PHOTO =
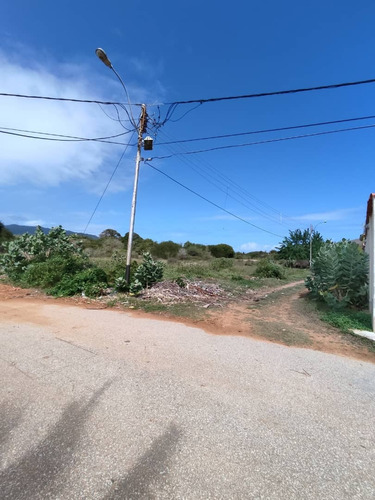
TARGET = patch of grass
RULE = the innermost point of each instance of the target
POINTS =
(279, 332)
(348, 320)
(187, 310)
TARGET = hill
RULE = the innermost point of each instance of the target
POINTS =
(18, 229)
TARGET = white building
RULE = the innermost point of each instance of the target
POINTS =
(370, 249)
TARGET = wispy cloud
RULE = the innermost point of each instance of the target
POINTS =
(252, 246)
(334, 215)
(50, 163)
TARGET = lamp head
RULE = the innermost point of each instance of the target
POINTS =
(103, 57)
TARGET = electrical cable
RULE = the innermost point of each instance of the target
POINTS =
(201, 101)
(211, 202)
(264, 131)
(214, 177)
(266, 141)
(106, 187)
(68, 138)
(277, 92)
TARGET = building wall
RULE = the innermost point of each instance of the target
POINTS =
(370, 249)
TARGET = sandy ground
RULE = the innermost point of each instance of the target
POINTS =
(238, 318)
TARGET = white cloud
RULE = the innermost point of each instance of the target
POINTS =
(49, 163)
(252, 246)
(340, 214)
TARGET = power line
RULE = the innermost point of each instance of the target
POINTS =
(277, 92)
(211, 202)
(64, 99)
(264, 131)
(107, 185)
(224, 183)
(199, 101)
(266, 141)
(67, 138)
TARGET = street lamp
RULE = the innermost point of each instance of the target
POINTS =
(312, 230)
(141, 129)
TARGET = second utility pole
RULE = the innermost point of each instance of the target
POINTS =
(141, 130)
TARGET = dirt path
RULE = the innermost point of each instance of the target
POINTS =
(279, 315)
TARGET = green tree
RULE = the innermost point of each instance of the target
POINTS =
(340, 275)
(110, 233)
(297, 245)
(221, 250)
(166, 249)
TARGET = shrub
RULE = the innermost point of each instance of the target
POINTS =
(39, 247)
(340, 275)
(221, 250)
(90, 281)
(268, 269)
(149, 272)
(47, 274)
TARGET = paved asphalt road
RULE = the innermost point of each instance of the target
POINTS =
(97, 404)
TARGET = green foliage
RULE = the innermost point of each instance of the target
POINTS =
(165, 249)
(110, 233)
(268, 269)
(180, 282)
(348, 320)
(48, 273)
(221, 250)
(5, 237)
(149, 272)
(340, 275)
(196, 250)
(39, 247)
(90, 281)
(297, 245)
(221, 263)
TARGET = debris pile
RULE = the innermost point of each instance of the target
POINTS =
(172, 292)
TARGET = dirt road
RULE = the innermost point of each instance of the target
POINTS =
(100, 404)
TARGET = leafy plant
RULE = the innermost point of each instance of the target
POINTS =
(48, 273)
(39, 247)
(90, 281)
(268, 269)
(340, 275)
(149, 272)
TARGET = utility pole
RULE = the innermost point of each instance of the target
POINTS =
(141, 130)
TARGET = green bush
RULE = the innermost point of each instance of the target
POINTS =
(38, 247)
(221, 250)
(48, 273)
(268, 269)
(340, 275)
(149, 272)
(90, 281)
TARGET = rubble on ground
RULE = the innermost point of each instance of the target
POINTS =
(170, 292)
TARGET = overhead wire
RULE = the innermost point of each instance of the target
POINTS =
(264, 131)
(107, 185)
(224, 183)
(67, 138)
(265, 141)
(211, 202)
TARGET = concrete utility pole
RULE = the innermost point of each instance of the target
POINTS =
(141, 130)
(147, 146)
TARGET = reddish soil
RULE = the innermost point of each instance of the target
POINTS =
(284, 320)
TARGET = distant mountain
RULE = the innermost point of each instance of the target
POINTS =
(17, 229)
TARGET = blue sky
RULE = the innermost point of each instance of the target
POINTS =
(171, 51)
